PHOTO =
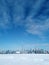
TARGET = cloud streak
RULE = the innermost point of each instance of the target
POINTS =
(32, 14)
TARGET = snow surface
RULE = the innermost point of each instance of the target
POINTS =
(24, 59)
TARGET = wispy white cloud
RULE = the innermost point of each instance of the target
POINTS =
(32, 14)
(36, 28)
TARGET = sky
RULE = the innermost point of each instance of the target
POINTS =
(24, 24)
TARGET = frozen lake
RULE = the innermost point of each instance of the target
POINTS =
(24, 59)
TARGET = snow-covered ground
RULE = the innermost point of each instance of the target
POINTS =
(24, 59)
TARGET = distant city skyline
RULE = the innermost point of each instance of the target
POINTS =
(24, 24)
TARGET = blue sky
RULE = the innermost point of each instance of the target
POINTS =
(24, 24)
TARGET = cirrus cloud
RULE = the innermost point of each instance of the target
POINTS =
(32, 14)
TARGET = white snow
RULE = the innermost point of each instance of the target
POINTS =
(24, 59)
